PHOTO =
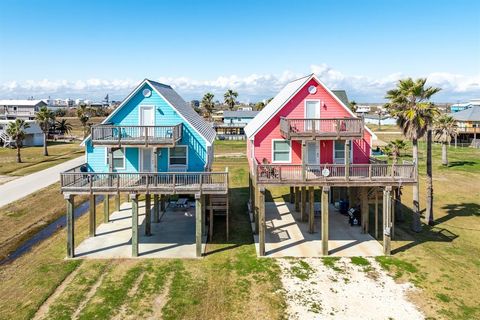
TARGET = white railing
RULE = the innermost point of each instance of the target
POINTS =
(136, 135)
(334, 127)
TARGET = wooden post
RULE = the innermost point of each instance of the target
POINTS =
(394, 204)
(257, 204)
(262, 226)
(292, 195)
(303, 205)
(351, 197)
(162, 203)
(156, 209)
(92, 216)
(376, 214)
(117, 202)
(311, 213)
(387, 206)
(134, 200)
(204, 231)
(148, 215)
(325, 195)
(198, 224)
(347, 159)
(70, 225)
(210, 220)
(106, 208)
(297, 199)
(365, 209)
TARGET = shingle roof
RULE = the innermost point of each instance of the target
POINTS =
(27, 103)
(240, 114)
(342, 95)
(195, 120)
(470, 114)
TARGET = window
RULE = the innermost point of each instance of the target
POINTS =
(339, 152)
(281, 151)
(118, 158)
(178, 155)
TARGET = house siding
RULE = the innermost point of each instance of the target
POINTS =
(129, 114)
(295, 108)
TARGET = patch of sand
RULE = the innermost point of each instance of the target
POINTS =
(320, 292)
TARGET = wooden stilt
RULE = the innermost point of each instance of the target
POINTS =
(148, 215)
(376, 214)
(392, 220)
(106, 208)
(262, 226)
(134, 200)
(311, 211)
(198, 224)
(297, 199)
(156, 209)
(387, 206)
(204, 230)
(364, 209)
(351, 197)
(117, 202)
(325, 195)
(162, 203)
(256, 211)
(70, 225)
(303, 204)
(92, 217)
(227, 211)
(210, 220)
(292, 195)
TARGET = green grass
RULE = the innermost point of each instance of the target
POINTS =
(360, 261)
(301, 269)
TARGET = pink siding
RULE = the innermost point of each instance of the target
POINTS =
(329, 108)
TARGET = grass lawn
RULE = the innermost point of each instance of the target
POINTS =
(33, 159)
(232, 283)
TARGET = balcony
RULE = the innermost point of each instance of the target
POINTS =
(76, 182)
(336, 174)
(117, 136)
(326, 129)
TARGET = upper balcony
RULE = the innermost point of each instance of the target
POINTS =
(117, 136)
(322, 129)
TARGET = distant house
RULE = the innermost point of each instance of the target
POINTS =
(21, 109)
(463, 106)
(361, 109)
(231, 128)
(33, 136)
(468, 122)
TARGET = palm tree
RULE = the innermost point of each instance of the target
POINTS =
(259, 106)
(396, 146)
(230, 98)
(208, 104)
(16, 131)
(414, 116)
(63, 126)
(445, 127)
(45, 118)
(83, 114)
(353, 106)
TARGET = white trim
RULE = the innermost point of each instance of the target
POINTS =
(178, 165)
(351, 150)
(140, 114)
(124, 158)
(305, 106)
(140, 160)
(289, 151)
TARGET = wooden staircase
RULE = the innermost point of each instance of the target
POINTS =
(5, 139)
(217, 206)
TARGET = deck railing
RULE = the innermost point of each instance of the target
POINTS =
(144, 182)
(334, 128)
(290, 173)
(103, 134)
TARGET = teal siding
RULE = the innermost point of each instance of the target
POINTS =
(164, 115)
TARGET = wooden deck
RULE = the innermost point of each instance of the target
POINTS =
(335, 174)
(326, 129)
(75, 182)
(117, 136)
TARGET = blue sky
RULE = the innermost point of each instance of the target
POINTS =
(88, 48)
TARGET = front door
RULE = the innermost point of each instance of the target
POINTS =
(312, 111)
(313, 152)
(147, 118)
(146, 159)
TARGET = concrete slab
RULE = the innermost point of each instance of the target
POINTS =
(287, 237)
(173, 237)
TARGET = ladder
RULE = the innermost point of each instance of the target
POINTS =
(217, 206)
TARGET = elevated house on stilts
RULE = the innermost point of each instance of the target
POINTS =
(153, 145)
(307, 138)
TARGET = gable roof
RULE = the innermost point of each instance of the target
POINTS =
(185, 111)
(342, 95)
(283, 97)
(470, 114)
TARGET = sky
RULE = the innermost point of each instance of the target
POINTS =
(88, 48)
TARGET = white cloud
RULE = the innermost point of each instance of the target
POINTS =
(250, 88)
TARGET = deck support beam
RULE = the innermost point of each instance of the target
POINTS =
(106, 208)
(292, 195)
(204, 230)
(311, 211)
(198, 224)
(325, 196)
(70, 201)
(162, 203)
(364, 209)
(134, 199)
(347, 159)
(148, 215)
(297, 199)
(92, 217)
(210, 219)
(117, 202)
(256, 211)
(262, 226)
(303, 204)
(387, 227)
(156, 209)
(376, 214)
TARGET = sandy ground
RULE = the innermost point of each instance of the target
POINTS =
(316, 291)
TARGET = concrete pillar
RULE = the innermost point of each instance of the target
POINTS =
(70, 225)
(292, 195)
(117, 202)
(134, 200)
(311, 212)
(92, 217)
(387, 207)
(262, 226)
(364, 209)
(148, 215)
(198, 224)
(156, 209)
(303, 204)
(106, 208)
(325, 195)
(297, 199)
